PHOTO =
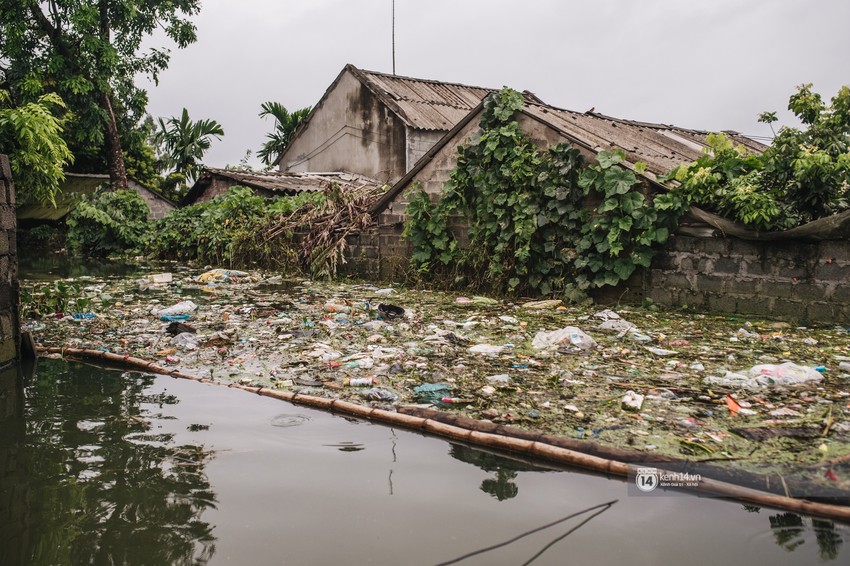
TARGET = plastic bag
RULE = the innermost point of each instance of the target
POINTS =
(569, 336)
(182, 307)
(784, 374)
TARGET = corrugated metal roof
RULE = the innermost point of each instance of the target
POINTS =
(425, 104)
(421, 104)
(289, 182)
(662, 147)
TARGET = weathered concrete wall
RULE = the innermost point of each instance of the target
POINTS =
(157, 205)
(9, 289)
(218, 186)
(418, 144)
(434, 174)
(794, 281)
(431, 177)
(351, 128)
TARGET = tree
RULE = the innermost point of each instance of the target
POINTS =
(286, 123)
(90, 53)
(31, 134)
(185, 142)
(804, 175)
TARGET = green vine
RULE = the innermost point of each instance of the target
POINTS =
(626, 228)
(530, 225)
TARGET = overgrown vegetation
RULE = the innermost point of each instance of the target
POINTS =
(108, 222)
(802, 176)
(305, 233)
(38, 301)
(227, 230)
(533, 224)
(31, 134)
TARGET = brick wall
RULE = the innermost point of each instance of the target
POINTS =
(9, 321)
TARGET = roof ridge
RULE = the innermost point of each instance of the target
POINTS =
(416, 79)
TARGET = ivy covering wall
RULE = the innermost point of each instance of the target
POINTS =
(540, 220)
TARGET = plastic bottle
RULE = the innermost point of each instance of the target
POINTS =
(331, 306)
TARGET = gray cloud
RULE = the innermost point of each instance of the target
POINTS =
(709, 65)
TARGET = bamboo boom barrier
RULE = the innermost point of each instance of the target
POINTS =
(534, 449)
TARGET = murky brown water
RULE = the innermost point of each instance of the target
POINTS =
(100, 467)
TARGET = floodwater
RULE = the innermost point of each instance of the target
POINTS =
(103, 467)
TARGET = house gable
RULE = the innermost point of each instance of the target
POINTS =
(378, 125)
(350, 129)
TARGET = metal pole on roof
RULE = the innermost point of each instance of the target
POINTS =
(393, 37)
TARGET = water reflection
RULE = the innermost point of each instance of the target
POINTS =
(94, 480)
(48, 266)
(790, 532)
(501, 487)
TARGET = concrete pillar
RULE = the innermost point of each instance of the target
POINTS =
(10, 342)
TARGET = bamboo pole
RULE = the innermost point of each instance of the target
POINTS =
(525, 447)
(772, 483)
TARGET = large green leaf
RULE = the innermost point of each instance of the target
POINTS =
(618, 181)
(630, 202)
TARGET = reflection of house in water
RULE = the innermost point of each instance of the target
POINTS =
(14, 488)
(501, 487)
(791, 532)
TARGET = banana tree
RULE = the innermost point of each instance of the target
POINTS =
(185, 142)
(286, 123)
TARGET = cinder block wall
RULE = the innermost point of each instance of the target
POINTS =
(795, 281)
(9, 288)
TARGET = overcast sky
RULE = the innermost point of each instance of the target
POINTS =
(713, 65)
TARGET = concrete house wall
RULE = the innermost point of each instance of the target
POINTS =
(418, 144)
(158, 206)
(350, 130)
(384, 250)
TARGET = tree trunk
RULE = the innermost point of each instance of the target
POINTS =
(114, 154)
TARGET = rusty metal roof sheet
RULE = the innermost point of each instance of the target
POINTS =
(288, 183)
(662, 147)
(426, 104)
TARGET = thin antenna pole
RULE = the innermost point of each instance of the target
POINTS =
(393, 37)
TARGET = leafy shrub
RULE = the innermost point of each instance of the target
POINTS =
(32, 136)
(108, 222)
(227, 230)
(58, 297)
(802, 176)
